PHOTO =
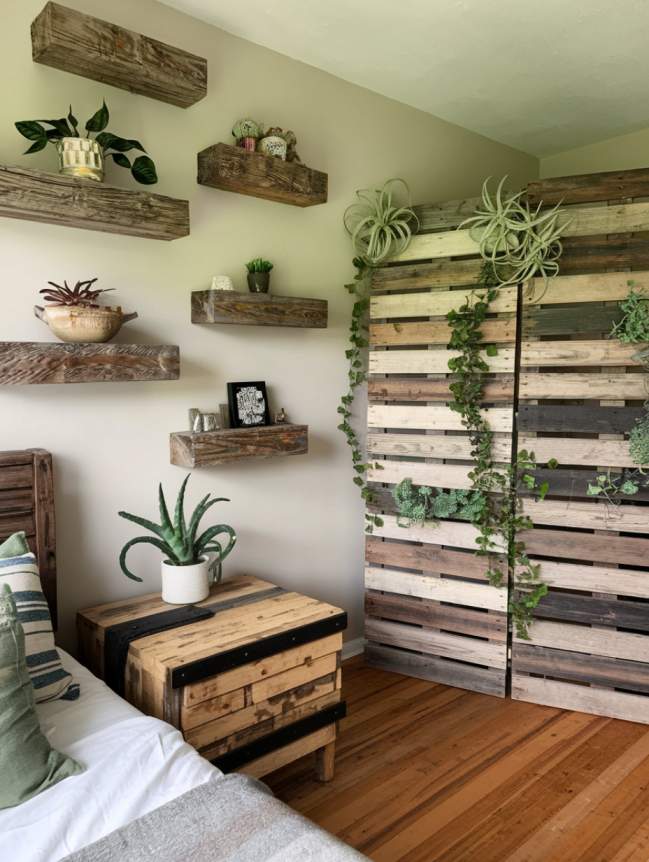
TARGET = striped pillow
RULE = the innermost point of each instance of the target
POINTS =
(49, 679)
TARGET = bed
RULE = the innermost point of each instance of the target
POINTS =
(141, 777)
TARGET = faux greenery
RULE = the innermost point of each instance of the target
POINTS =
(612, 487)
(633, 328)
(379, 229)
(259, 265)
(81, 294)
(417, 504)
(247, 128)
(178, 539)
(639, 441)
(518, 242)
(114, 146)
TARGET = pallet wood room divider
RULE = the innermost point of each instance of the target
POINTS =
(430, 612)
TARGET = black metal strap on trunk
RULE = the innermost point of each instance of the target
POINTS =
(117, 638)
(279, 738)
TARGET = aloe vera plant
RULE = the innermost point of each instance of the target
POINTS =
(178, 539)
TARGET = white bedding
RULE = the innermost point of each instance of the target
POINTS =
(136, 762)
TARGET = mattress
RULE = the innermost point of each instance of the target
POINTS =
(134, 764)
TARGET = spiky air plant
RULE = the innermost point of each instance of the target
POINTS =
(179, 540)
(518, 241)
(377, 226)
(81, 294)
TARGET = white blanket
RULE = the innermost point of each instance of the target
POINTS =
(133, 763)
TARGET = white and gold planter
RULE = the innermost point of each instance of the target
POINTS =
(81, 324)
(81, 157)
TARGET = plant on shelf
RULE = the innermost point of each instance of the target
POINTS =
(379, 228)
(246, 133)
(191, 560)
(517, 241)
(417, 504)
(74, 315)
(82, 155)
(259, 275)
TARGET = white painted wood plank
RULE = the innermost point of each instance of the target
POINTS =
(596, 579)
(439, 589)
(595, 386)
(432, 361)
(436, 303)
(578, 451)
(435, 445)
(435, 475)
(425, 417)
(583, 514)
(452, 534)
(578, 353)
(582, 639)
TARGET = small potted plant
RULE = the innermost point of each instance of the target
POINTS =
(259, 275)
(83, 156)
(192, 561)
(73, 314)
(246, 133)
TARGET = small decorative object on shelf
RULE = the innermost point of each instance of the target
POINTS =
(273, 145)
(201, 421)
(259, 275)
(224, 415)
(73, 315)
(246, 133)
(81, 156)
(221, 282)
(281, 417)
(277, 142)
(192, 561)
(248, 404)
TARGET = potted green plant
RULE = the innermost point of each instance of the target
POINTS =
(73, 314)
(83, 156)
(246, 133)
(259, 275)
(191, 561)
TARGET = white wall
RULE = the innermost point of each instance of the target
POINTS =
(299, 519)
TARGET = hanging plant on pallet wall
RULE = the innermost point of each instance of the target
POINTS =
(379, 229)
(516, 243)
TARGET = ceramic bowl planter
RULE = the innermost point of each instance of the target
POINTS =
(83, 324)
(186, 585)
(273, 145)
(259, 282)
(81, 157)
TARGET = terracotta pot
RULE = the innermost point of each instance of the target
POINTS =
(82, 324)
(186, 585)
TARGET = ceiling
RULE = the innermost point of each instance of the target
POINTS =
(540, 75)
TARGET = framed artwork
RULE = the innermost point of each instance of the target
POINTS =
(248, 404)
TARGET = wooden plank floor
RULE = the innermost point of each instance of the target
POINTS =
(425, 772)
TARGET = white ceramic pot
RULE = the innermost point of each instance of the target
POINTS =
(273, 145)
(186, 585)
(80, 324)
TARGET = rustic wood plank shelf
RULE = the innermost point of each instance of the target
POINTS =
(74, 42)
(258, 309)
(206, 448)
(29, 362)
(47, 197)
(233, 169)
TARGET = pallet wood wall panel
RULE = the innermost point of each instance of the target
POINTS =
(430, 611)
(580, 395)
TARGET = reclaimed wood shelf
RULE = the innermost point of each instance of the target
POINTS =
(234, 169)
(30, 362)
(47, 197)
(206, 448)
(258, 309)
(73, 42)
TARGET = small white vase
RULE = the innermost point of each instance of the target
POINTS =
(186, 585)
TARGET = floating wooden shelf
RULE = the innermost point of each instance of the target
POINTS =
(205, 448)
(55, 199)
(234, 169)
(74, 42)
(28, 362)
(257, 309)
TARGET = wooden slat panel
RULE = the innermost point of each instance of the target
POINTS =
(597, 579)
(293, 678)
(420, 389)
(579, 353)
(426, 612)
(430, 246)
(573, 483)
(567, 320)
(614, 550)
(598, 386)
(427, 558)
(436, 303)
(433, 446)
(589, 188)
(440, 273)
(449, 590)
(626, 517)
(485, 680)
(13, 523)
(584, 419)
(472, 650)
(563, 695)
(582, 639)
(601, 253)
(613, 453)
(496, 331)
(595, 611)
(209, 710)
(435, 475)
(455, 534)
(433, 361)
(446, 215)
(605, 287)
(432, 418)
(599, 670)
(293, 751)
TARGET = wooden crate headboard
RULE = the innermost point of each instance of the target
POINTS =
(27, 503)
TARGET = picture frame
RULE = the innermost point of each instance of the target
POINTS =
(248, 404)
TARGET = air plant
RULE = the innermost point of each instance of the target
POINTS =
(82, 294)
(519, 242)
(179, 540)
(377, 226)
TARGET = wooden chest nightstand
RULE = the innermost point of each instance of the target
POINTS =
(251, 688)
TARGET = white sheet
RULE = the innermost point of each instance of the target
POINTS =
(133, 765)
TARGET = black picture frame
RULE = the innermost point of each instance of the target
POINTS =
(240, 417)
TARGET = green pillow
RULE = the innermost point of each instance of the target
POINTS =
(28, 764)
(15, 546)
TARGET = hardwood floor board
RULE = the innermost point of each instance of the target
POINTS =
(426, 773)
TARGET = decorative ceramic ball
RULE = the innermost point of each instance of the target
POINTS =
(273, 145)
(222, 282)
